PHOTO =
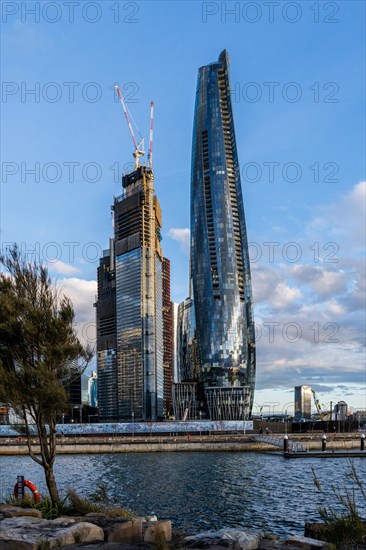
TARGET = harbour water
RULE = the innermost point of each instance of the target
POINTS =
(201, 491)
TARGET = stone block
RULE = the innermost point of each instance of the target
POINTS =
(128, 532)
(266, 544)
(241, 539)
(304, 542)
(17, 511)
(63, 522)
(268, 535)
(21, 522)
(31, 535)
(158, 531)
(86, 532)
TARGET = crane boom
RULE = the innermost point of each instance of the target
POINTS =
(151, 134)
(127, 117)
(317, 404)
(138, 152)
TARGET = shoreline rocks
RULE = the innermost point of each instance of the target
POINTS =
(24, 529)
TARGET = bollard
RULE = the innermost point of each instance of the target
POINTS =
(20, 482)
(324, 443)
(362, 442)
(285, 444)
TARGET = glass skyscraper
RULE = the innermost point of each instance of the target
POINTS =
(220, 270)
(130, 306)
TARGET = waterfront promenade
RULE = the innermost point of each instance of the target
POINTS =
(166, 443)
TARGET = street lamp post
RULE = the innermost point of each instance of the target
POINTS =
(285, 411)
(286, 422)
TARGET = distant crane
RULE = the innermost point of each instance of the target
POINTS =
(321, 414)
(139, 146)
(149, 156)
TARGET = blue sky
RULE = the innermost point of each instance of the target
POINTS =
(298, 96)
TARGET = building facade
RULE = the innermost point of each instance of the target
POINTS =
(168, 341)
(130, 306)
(303, 396)
(107, 336)
(93, 389)
(220, 270)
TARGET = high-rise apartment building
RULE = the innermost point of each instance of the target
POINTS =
(220, 270)
(130, 306)
(107, 336)
(168, 342)
(93, 389)
(303, 396)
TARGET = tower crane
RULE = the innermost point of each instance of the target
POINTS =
(138, 146)
(149, 156)
(317, 404)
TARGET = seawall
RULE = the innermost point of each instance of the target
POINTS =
(166, 445)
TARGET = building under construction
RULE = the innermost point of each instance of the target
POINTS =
(130, 301)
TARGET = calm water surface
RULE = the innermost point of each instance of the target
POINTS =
(200, 491)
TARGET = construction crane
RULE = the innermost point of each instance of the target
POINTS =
(317, 405)
(139, 147)
(149, 156)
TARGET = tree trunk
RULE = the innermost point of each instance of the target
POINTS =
(51, 483)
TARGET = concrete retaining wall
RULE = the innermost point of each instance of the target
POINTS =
(192, 446)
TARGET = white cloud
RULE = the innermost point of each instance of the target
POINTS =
(343, 221)
(82, 293)
(63, 269)
(269, 287)
(283, 296)
(324, 281)
(181, 235)
(321, 300)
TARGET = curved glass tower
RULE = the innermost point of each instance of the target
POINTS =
(220, 271)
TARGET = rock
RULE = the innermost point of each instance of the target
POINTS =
(99, 546)
(157, 531)
(128, 532)
(234, 538)
(63, 522)
(18, 511)
(245, 541)
(316, 531)
(95, 515)
(267, 535)
(266, 544)
(17, 522)
(304, 542)
(151, 518)
(28, 533)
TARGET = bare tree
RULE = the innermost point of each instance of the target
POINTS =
(40, 354)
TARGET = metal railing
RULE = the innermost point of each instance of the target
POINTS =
(278, 442)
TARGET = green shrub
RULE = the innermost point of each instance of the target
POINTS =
(81, 506)
(74, 505)
(345, 529)
(48, 509)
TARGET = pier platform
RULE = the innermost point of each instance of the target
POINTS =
(352, 453)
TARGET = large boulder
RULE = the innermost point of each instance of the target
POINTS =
(28, 533)
(158, 531)
(127, 532)
(304, 542)
(9, 511)
(231, 538)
